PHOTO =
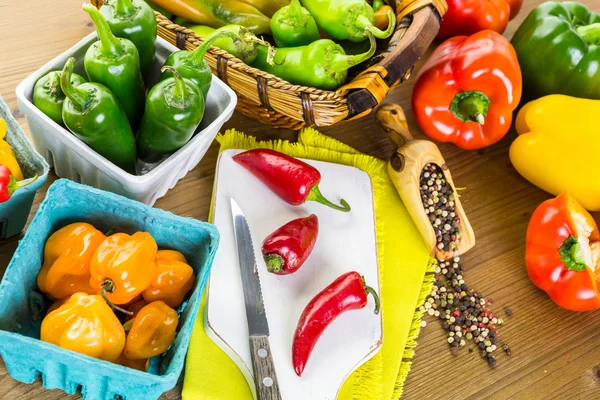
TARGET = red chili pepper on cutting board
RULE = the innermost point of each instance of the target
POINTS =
(291, 179)
(286, 249)
(348, 292)
(8, 183)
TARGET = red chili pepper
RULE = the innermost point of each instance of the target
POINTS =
(291, 179)
(8, 183)
(286, 249)
(348, 292)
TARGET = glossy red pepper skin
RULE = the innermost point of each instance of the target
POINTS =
(286, 249)
(8, 183)
(468, 89)
(348, 292)
(570, 280)
(466, 17)
(294, 181)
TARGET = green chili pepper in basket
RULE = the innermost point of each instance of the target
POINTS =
(322, 64)
(174, 109)
(48, 97)
(293, 26)
(347, 19)
(93, 114)
(114, 62)
(377, 4)
(246, 48)
(134, 20)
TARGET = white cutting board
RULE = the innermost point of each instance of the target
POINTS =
(346, 242)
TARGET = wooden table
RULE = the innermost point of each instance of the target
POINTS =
(556, 353)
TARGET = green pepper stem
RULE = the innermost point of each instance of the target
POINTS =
(128, 325)
(271, 51)
(572, 254)
(295, 10)
(108, 286)
(180, 94)
(197, 56)
(470, 106)
(363, 22)
(373, 293)
(54, 85)
(110, 45)
(15, 185)
(124, 8)
(590, 33)
(79, 97)
(274, 262)
(342, 62)
(315, 195)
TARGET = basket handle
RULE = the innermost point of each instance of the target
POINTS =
(417, 26)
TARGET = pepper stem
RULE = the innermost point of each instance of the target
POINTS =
(54, 85)
(373, 293)
(342, 62)
(197, 56)
(127, 325)
(271, 51)
(79, 97)
(470, 106)
(274, 262)
(315, 195)
(110, 45)
(124, 8)
(108, 286)
(180, 94)
(15, 185)
(571, 253)
(363, 22)
(295, 10)
(590, 33)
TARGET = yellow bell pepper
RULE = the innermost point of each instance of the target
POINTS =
(7, 156)
(67, 255)
(85, 324)
(559, 145)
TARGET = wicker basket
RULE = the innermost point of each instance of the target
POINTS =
(278, 103)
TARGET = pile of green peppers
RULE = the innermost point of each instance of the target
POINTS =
(317, 41)
(111, 113)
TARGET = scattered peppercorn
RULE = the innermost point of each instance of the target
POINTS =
(464, 313)
(508, 312)
(437, 196)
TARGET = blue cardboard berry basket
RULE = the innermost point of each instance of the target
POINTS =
(21, 310)
(14, 212)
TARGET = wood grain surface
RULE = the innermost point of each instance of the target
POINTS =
(556, 353)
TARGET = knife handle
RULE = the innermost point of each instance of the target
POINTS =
(265, 378)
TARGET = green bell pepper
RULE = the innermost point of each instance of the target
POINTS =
(114, 62)
(48, 97)
(558, 47)
(93, 114)
(293, 26)
(134, 20)
(174, 109)
(322, 64)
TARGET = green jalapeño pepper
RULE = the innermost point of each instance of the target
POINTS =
(93, 114)
(134, 20)
(48, 97)
(322, 64)
(348, 19)
(114, 62)
(246, 48)
(558, 47)
(174, 110)
(293, 26)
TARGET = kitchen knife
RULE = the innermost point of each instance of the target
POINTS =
(265, 379)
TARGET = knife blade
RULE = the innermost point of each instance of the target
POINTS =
(265, 378)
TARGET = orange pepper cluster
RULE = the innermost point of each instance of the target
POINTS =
(90, 275)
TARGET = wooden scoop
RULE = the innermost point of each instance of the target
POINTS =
(405, 169)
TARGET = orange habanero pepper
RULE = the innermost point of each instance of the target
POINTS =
(173, 280)
(67, 255)
(140, 365)
(123, 266)
(152, 331)
(85, 324)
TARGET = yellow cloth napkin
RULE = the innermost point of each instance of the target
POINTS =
(406, 277)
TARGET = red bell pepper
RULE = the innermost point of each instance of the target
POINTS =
(291, 179)
(348, 292)
(468, 89)
(286, 249)
(562, 254)
(466, 17)
(8, 183)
